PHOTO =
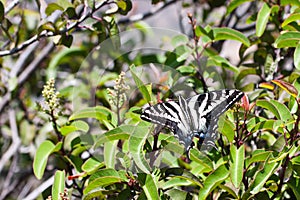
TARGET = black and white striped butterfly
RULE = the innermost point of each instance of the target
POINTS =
(196, 116)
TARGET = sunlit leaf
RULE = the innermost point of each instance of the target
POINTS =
(149, 186)
(41, 157)
(262, 176)
(237, 164)
(52, 7)
(287, 39)
(278, 109)
(136, 144)
(212, 181)
(297, 56)
(257, 156)
(139, 83)
(266, 85)
(293, 17)
(110, 149)
(262, 19)
(59, 185)
(234, 4)
(122, 132)
(78, 125)
(91, 165)
(102, 178)
(230, 34)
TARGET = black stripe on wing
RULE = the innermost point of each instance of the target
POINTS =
(164, 114)
(218, 103)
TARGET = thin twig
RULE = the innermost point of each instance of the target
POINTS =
(17, 67)
(45, 33)
(9, 179)
(16, 141)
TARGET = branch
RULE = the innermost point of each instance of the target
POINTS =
(139, 17)
(11, 6)
(45, 33)
(37, 191)
(16, 141)
(17, 67)
(27, 72)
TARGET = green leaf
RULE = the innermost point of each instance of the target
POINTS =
(262, 19)
(201, 158)
(176, 182)
(176, 194)
(237, 164)
(262, 176)
(278, 109)
(53, 7)
(71, 12)
(78, 125)
(91, 165)
(49, 26)
(217, 60)
(41, 157)
(148, 185)
(136, 146)
(287, 39)
(212, 181)
(140, 84)
(100, 113)
(66, 40)
(245, 72)
(179, 40)
(122, 132)
(205, 32)
(230, 34)
(290, 2)
(186, 70)
(114, 34)
(178, 56)
(102, 178)
(64, 4)
(292, 18)
(110, 153)
(294, 184)
(124, 6)
(227, 128)
(59, 185)
(257, 156)
(297, 57)
(234, 4)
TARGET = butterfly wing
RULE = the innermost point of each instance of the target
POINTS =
(174, 116)
(196, 116)
(206, 109)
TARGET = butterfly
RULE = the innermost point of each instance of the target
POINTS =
(196, 116)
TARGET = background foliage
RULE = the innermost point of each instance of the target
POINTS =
(75, 75)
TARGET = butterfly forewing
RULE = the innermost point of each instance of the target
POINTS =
(165, 114)
(195, 116)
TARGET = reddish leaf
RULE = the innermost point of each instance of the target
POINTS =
(287, 87)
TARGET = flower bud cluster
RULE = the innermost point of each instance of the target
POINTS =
(51, 96)
(117, 95)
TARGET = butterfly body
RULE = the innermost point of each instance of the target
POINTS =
(196, 116)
